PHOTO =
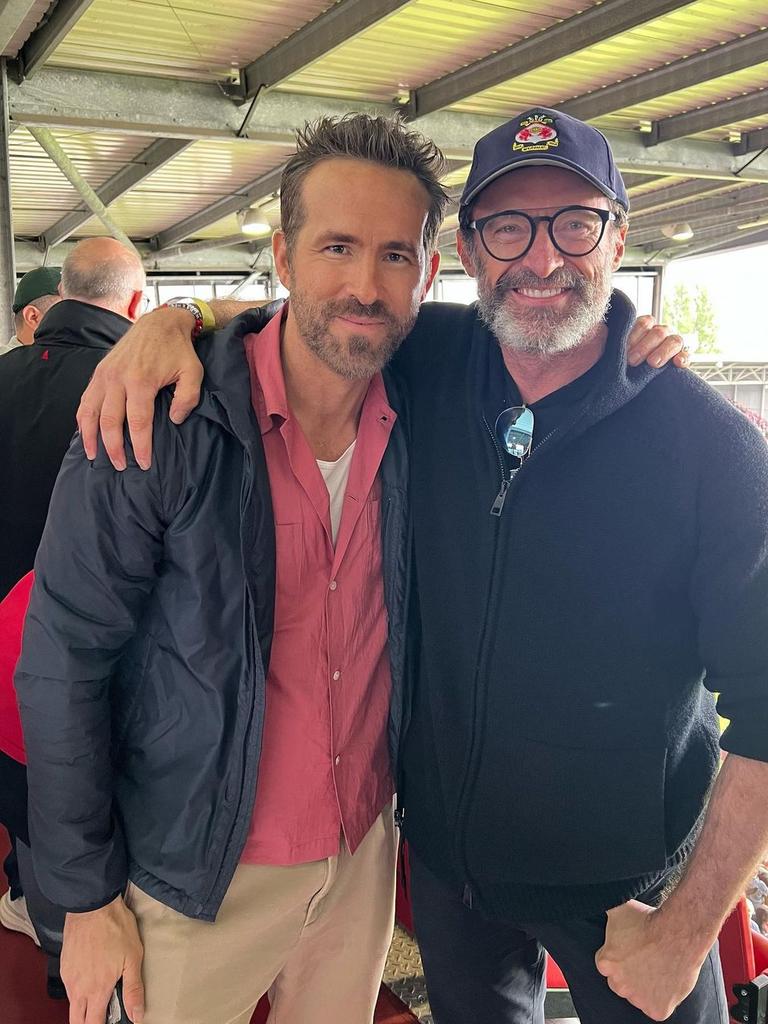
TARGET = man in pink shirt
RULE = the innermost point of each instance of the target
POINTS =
(238, 615)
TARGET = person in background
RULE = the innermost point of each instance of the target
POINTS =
(35, 293)
(102, 286)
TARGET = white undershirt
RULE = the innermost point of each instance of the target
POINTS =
(336, 475)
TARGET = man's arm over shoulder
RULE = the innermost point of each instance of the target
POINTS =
(97, 562)
(156, 352)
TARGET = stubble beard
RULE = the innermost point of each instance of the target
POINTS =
(355, 357)
(544, 332)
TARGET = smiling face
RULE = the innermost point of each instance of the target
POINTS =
(357, 270)
(545, 302)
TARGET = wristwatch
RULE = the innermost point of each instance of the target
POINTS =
(205, 321)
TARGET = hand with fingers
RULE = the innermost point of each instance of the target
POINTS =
(656, 344)
(156, 351)
(646, 962)
(100, 948)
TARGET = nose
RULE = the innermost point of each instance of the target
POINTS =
(542, 258)
(364, 282)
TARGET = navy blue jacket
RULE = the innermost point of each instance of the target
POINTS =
(142, 677)
(563, 732)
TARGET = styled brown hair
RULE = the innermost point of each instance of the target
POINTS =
(381, 140)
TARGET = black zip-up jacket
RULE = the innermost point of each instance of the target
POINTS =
(563, 736)
(40, 389)
(142, 677)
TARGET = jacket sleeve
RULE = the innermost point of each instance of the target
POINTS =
(96, 564)
(730, 581)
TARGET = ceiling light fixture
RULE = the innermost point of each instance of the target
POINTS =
(253, 222)
(681, 232)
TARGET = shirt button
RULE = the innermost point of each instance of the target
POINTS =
(337, 674)
(338, 759)
(332, 585)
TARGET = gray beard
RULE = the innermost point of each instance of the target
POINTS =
(544, 332)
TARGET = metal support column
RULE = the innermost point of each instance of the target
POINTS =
(7, 256)
(658, 294)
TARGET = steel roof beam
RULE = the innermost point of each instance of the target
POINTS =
(728, 218)
(702, 207)
(662, 197)
(98, 101)
(681, 74)
(758, 236)
(716, 240)
(340, 23)
(204, 245)
(716, 115)
(751, 141)
(60, 20)
(152, 159)
(13, 14)
(592, 26)
(7, 250)
(261, 188)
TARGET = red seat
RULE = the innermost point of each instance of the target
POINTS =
(743, 953)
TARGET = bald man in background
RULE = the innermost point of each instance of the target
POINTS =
(102, 294)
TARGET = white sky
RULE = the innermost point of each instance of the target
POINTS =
(738, 286)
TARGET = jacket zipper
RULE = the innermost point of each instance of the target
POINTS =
(248, 475)
(478, 706)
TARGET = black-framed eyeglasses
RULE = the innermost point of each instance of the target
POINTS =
(514, 430)
(574, 231)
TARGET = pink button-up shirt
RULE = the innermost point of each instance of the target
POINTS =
(324, 764)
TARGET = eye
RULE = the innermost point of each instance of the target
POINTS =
(337, 250)
(396, 257)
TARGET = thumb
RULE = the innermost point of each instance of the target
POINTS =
(133, 991)
(186, 393)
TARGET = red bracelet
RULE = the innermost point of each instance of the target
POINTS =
(198, 328)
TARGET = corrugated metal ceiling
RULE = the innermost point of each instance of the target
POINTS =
(422, 41)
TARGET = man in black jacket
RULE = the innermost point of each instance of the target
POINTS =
(590, 546)
(40, 385)
(211, 677)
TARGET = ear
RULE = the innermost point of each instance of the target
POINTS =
(466, 257)
(434, 266)
(31, 316)
(135, 306)
(619, 243)
(280, 256)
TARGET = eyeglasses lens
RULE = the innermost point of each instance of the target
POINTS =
(576, 233)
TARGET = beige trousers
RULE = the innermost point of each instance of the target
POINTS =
(315, 936)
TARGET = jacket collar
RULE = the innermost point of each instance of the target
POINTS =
(226, 396)
(71, 322)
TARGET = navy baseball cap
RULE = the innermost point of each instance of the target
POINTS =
(544, 136)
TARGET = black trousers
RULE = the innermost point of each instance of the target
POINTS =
(480, 971)
(13, 814)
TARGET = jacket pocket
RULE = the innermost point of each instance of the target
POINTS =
(548, 813)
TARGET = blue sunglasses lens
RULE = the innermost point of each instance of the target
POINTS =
(514, 430)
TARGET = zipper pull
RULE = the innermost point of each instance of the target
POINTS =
(498, 504)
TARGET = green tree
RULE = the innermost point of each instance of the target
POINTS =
(705, 324)
(693, 314)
